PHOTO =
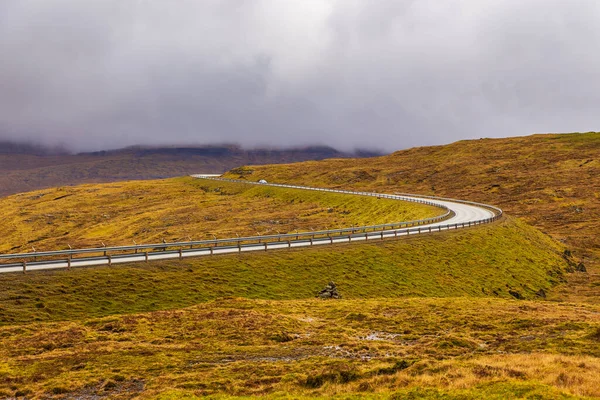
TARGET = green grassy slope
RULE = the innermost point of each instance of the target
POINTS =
(175, 209)
(552, 181)
(488, 260)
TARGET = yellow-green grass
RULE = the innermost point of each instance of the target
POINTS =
(488, 260)
(179, 208)
(429, 316)
(435, 348)
(551, 181)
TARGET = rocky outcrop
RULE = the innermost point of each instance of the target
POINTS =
(330, 292)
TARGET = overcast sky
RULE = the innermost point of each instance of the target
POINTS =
(388, 74)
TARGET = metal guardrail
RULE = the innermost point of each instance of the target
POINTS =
(178, 249)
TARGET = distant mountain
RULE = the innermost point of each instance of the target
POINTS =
(25, 166)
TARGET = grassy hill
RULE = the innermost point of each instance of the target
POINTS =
(551, 181)
(26, 167)
(179, 208)
(485, 261)
(468, 314)
(413, 310)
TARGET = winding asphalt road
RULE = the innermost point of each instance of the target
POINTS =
(464, 214)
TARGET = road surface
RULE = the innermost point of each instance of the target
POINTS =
(463, 214)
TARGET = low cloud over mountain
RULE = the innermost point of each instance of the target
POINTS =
(388, 74)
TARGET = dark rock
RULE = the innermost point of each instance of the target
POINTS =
(567, 253)
(330, 292)
(515, 294)
(581, 267)
(541, 293)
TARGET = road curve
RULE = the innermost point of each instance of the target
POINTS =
(464, 211)
(460, 214)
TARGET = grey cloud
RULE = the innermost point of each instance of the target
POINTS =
(349, 73)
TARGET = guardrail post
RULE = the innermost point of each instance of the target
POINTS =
(109, 260)
(180, 254)
(69, 258)
(24, 266)
(266, 244)
(311, 241)
(381, 235)
(289, 244)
